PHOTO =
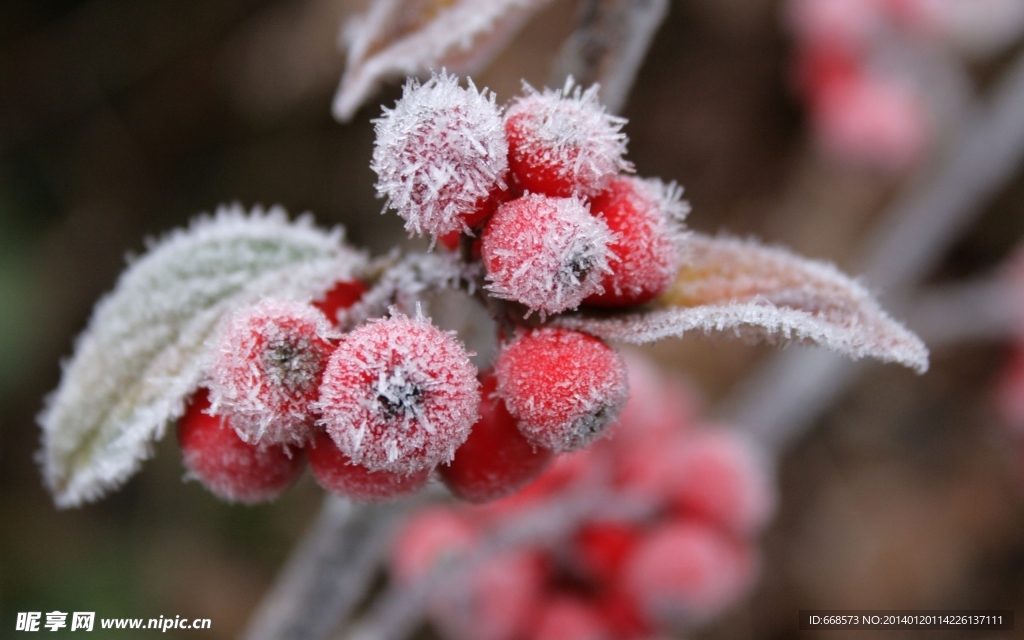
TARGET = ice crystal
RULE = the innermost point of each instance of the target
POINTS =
(143, 351)
(266, 370)
(767, 293)
(546, 253)
(440, 154)
(563, 142)
(399, 395)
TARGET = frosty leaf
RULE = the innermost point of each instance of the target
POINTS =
(765, 293)
(398, 38)
(144, 350)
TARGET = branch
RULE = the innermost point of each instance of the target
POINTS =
(980, 309)
(327, 574)
(781, 399)
(609, 45)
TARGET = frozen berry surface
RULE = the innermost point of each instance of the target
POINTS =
(563, 387)
(399, 395)
(230, 468)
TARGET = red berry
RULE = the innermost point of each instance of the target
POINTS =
(399, 395)
(570, 618)
(441, 155)
(427, 540)
(723, 478)
(230, 468)
(337, 473)
(341, 296)
(873, 120)
(685, 573)
(563, 387)
(646, 216)
(450, 240)
(546, 253)
(266, 371)
(497, 600)
(823, 65)
(602, 547)
(621, 613)
(496, 459)
(562, 143)
(564, 473)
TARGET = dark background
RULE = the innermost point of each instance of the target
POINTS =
(121, 119)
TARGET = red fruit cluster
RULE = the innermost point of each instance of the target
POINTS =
(860, 111)
(374, 410)
(567, 228)
(678, 567)
(377, 409)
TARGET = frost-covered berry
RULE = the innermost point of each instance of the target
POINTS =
(546, 253)
(686, 573)
(563, 387)
(399, 395)
(341, 296)
(266, 370)
(441, 155)
(571, 618)
(562, 143)
(723, 478)
(337, 473)
(496, 459)
(646, 217)
(427, 540)
(231, 469)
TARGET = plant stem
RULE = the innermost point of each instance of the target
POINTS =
(327, 575)
(609, 45)
(980, 309)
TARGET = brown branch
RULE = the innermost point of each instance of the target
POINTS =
(609, 45)
(327, 574)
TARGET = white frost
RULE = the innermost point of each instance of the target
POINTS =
(440, 153)
(141, 355)
(766, 293)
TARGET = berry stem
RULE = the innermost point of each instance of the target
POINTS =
(608, 46)
(327, 574)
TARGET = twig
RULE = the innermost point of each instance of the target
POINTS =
(609, 45)
(781, 398)
(980, 309)
(327, 575)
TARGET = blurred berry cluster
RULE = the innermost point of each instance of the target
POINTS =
(677, 564)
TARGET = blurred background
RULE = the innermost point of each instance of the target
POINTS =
(122, 119)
